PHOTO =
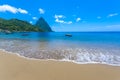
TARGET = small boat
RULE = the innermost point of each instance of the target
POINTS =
(69, 35)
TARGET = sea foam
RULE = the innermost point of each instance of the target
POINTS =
(79, 53)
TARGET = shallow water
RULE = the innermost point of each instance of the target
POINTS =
(84, 47)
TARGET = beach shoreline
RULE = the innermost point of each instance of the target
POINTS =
(62, 60)
(13, 67)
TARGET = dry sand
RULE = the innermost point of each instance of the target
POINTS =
(13, 67)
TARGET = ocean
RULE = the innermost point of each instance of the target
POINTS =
(81, 47)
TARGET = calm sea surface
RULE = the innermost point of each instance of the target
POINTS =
(82, 47)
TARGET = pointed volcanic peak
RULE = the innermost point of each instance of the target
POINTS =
(43, 25)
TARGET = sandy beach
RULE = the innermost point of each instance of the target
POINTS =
(13, 67)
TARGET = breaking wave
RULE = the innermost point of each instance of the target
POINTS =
(80, 55)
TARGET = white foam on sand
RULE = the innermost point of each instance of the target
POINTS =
(81, 59)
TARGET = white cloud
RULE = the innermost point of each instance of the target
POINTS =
(22, 11)
(34, 18)
(41, 11)
(59, 21)
(69, 22)
(59, 17)
(30, 22)
(8, 8)
(62, 21)
(99, 17)
(111, 15)
(78, 19)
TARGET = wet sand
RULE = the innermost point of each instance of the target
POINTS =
(13, 67)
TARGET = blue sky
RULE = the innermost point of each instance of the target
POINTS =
(66, 15)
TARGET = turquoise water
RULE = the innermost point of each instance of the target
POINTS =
(82, 47)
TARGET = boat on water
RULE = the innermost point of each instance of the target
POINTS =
(68, 35)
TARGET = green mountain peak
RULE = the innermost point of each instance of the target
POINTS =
(43, 25)
(15, 25)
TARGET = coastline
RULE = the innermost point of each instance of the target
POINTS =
(63, 60)
(13, 67)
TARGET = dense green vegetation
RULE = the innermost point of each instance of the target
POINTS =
(14, 25)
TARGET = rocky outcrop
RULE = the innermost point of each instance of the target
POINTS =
(43, 25)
